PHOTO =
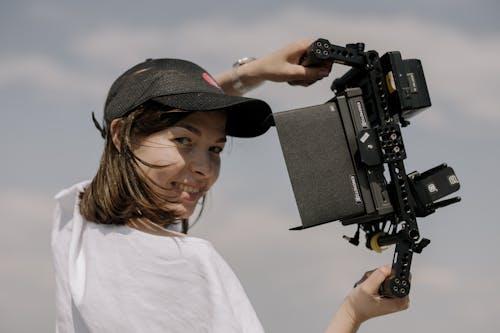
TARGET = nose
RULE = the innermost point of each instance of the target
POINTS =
(201, 164)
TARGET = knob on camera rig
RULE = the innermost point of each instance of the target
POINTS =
(337, 155)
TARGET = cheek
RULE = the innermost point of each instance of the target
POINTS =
(170, 159)
(216, 169)
(163, 176)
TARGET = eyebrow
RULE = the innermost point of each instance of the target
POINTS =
(197, 131)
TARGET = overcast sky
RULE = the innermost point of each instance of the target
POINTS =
(57, 61)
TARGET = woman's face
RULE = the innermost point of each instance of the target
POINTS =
(190, 151)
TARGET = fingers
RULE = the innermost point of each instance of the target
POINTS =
(404, 303)
(375, 279)
(307, 74)
(395, 304)
(301, 83)
(363, 278)
(283, 65)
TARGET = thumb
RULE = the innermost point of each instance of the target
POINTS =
(373, 282)
(298, 48)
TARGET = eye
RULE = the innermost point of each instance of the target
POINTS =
(183, 141)
(216, 149)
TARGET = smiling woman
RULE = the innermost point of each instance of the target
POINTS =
(167, 121)
(189, 152)
(120, 191)
(157, 170)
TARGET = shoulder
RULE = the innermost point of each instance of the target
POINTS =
(66, 206)
(67, 198)
(73, 189)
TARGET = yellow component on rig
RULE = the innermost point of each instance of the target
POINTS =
(391, 83)
(374, 243)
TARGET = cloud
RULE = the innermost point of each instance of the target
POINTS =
(437, 279)
(457, 77)
(26, 274)
(42, 75)
(25, 204)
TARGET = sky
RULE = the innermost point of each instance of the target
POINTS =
(58, 59)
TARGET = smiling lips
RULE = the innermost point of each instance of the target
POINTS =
(187, 188)
(193, 192)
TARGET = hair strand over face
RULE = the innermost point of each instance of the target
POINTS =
(120, 191)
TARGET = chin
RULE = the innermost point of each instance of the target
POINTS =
(182, 210)
(185, 216)
(186, 212)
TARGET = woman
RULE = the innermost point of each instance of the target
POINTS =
(122, 258)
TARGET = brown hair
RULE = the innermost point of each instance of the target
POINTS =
(119, 190)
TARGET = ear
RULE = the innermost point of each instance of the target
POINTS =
(115, 127)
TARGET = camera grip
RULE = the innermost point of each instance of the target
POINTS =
(392, 287)
(317, 55)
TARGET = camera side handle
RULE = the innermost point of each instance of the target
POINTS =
(385, 289)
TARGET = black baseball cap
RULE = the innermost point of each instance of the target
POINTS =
(181, 84)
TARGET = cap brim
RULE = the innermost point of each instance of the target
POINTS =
(246, 117)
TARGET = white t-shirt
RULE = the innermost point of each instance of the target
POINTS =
(118, 279)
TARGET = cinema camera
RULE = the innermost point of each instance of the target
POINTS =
(339, 153)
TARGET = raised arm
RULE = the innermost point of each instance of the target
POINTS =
(279, 66)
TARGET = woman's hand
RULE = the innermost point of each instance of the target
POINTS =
(279, 66)
(363, 303)
(283, 65)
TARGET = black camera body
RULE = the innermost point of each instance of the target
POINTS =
(338, 154)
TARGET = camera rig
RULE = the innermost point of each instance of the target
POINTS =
(351, 141)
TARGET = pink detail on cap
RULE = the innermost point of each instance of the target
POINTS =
(210, 80)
